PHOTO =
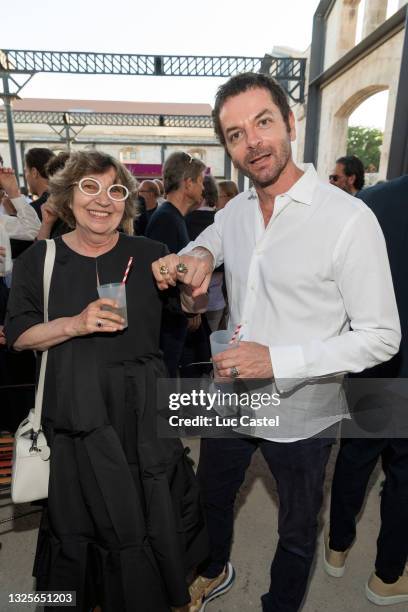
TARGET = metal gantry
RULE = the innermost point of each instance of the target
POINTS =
(83, 119)
(17, 63)
(291, 70)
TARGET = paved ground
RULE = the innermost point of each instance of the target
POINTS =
(255, 540)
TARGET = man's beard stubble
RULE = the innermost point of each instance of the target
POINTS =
(281, 158)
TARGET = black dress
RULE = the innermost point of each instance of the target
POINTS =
(123, 524)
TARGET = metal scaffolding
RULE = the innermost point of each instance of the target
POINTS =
(83, 119)
(14, 64)
(290, 70)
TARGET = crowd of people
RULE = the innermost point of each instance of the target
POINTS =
(313, 274)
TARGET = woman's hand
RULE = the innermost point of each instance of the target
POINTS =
(93, 319)
(48, 213)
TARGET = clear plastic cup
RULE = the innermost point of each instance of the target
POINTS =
(220, 341)
(117, 292)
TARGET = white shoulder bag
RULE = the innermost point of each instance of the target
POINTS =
(31, 454)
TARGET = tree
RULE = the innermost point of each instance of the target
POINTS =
(365, 142)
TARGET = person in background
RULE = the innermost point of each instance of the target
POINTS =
(183, 182)
(197, 344)
(358, 457)
(35, 173)
(197, 221)
(348, 174)
(162, 195)
(19, 226)
(149, 190)
(51, 225)
(19, 219)
(226, 191)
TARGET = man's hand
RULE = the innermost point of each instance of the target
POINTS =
(197, 274)
(252, 360)
(9, 183)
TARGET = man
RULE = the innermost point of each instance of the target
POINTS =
(308, 279)
(150, 192)
(36, 175)
(348, 174)
(183, 183)
(161, 197)
(358, 457)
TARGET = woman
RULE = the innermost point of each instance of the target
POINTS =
(226, 191)
(123, 523)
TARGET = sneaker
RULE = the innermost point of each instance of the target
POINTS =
(382, 594)
(334, 561)
(204, 589)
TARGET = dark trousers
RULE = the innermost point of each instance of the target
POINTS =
(355, 463)
(299, 469)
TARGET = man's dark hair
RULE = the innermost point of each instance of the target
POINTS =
(353, 165)
(179, 166)
(38, 158)
(56, 163)
(239, 84)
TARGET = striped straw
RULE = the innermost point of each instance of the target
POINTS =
(235, 334)
(127, 270)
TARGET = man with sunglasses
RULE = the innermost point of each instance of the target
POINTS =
(348, 174)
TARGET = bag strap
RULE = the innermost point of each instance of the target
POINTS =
(48, 268)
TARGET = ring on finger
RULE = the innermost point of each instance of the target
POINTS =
(99, 323)
(181, 268)
(163, 269)
(234, 372)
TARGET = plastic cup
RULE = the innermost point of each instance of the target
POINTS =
(117, 292)
(220, 341)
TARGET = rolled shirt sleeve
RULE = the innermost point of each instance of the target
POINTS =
(25, 225)
(210, 239)
(5, 242)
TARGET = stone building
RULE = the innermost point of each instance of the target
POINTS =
(343, 72)
(146, 148)
(344, 68)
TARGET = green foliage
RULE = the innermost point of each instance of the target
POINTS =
(365, 142)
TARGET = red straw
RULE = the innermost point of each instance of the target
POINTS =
(235, 334)
(127, 270)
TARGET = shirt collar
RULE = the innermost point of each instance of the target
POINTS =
(302, 191)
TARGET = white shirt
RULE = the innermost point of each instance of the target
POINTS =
(5, 261)
(314, 286)
(25, 225)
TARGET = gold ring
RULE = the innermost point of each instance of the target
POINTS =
(181, 268)
(163, 270)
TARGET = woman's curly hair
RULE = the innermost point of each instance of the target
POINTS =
(83, 163)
